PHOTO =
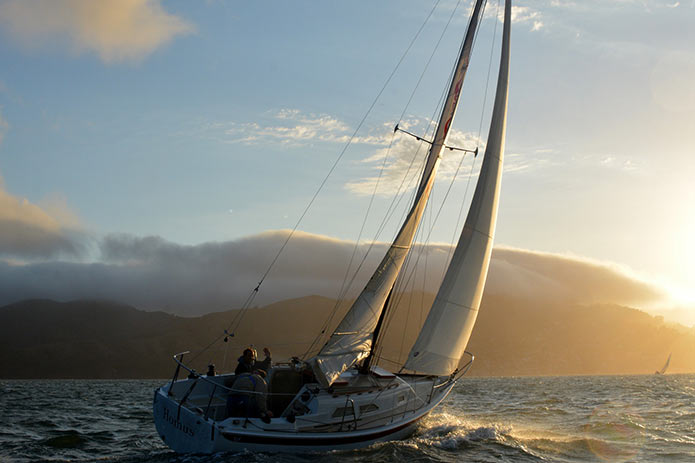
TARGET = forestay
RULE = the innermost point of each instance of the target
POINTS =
(352, 339)
(444, 336)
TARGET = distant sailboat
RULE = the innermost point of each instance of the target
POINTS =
(338, 399)
(663, 369)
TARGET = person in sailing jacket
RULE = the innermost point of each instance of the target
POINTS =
(249, 396)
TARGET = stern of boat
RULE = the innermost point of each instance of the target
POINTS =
(183, 430)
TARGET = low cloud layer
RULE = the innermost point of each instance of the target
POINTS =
(117, 30)
(29, 231)
(155, 274)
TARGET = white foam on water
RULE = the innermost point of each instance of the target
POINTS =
(448, 431)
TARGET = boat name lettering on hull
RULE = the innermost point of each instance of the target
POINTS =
(172, 420)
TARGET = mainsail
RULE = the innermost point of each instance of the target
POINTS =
(352, 339)
(444, 336)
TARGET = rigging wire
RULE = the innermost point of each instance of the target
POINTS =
(408, 259)
(388, 151)
(237, 319)
(400, 119)
(393, 207)
(236, 322)
(397, 197)
(422, 250)
(395, 302)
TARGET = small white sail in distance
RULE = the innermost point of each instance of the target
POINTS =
(665, 367)
(352, 339)
(447, 329)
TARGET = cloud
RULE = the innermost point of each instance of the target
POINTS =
(154, 274)
(292, 127)
(28, 231)
(402, 161)
(520, 15)
(396, 162)
(117, 30)
(636, 31)
(602, 5)
(395, 168)
(525, 14)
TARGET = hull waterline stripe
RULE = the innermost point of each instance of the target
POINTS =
(270, 440)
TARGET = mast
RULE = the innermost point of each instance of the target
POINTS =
(444, 336)
(353, 339)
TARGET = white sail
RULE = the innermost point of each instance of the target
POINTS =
(444, 336)
(665, 367)
(352, 339)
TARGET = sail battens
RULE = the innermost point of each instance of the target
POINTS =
(484, 233)
(467, 307)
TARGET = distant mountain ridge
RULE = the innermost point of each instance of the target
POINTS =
(101, 339)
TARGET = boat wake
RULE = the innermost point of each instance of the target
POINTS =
(486, 441)
(443, 434)
(447, 431)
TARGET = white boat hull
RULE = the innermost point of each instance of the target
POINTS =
(187, 429)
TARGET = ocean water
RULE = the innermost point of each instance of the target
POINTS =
(557, 419)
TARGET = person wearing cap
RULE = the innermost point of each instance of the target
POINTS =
(248, 363)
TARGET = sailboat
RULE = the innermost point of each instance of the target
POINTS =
(665, 367)
(348, 401)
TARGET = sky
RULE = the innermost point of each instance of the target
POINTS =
(188, 125)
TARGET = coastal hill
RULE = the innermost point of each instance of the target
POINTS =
(99, 339)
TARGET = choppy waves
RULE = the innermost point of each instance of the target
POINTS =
(637, 418)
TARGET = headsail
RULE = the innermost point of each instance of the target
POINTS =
(445, 334)
(352, 339)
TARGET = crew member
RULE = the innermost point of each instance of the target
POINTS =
(249, 396)
(248, 363)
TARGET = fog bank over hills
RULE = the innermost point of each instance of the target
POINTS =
(156, 275)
